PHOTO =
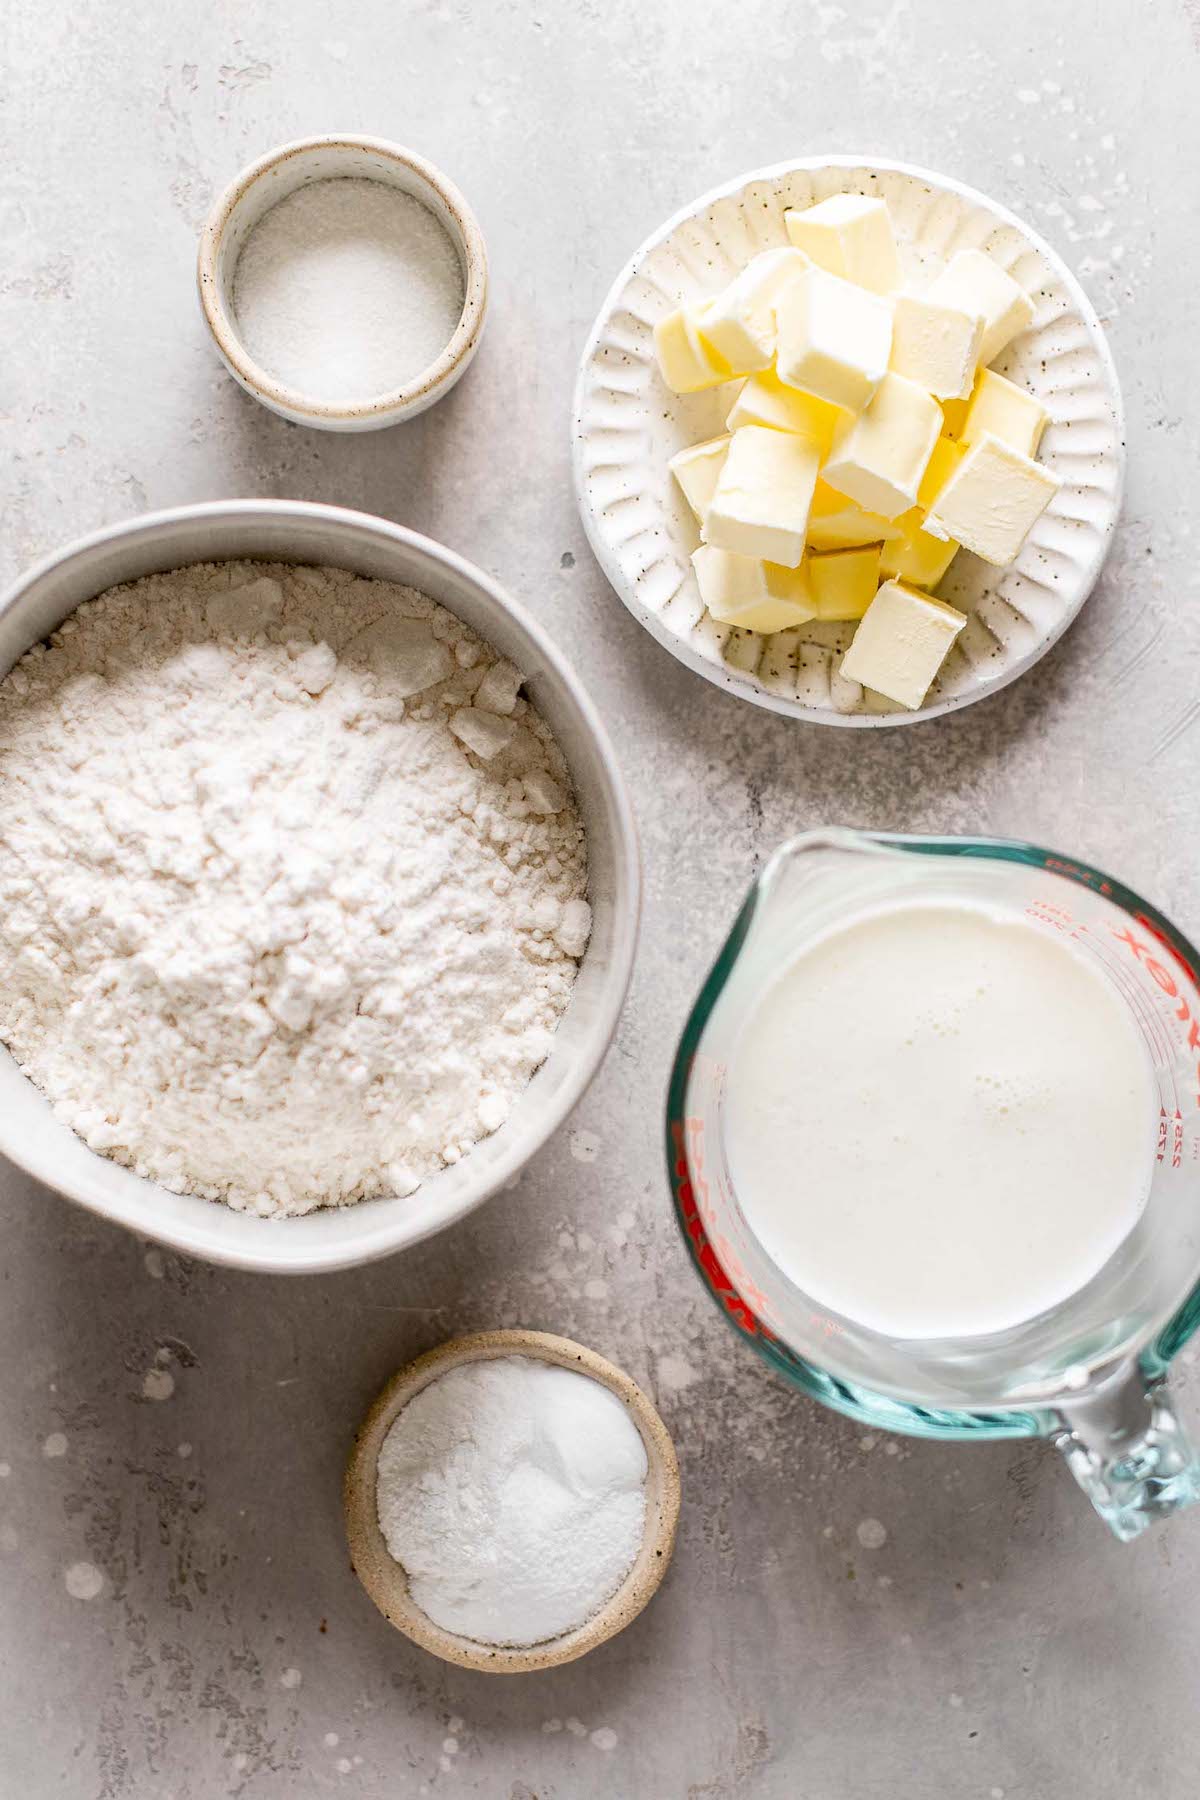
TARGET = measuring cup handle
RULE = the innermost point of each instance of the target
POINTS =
(1128, 1451)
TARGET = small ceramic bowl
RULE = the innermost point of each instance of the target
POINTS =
(271, 179)
(385, 1579)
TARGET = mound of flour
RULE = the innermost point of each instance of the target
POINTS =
(291, 883)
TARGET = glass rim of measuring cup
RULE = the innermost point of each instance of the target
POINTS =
(836, 1387)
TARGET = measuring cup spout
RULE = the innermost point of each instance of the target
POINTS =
(1127, 1449)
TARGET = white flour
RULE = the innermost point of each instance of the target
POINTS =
(347, 289)
(514, 1496)
(269, 932)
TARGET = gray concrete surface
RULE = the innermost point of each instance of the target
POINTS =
(997, 1644)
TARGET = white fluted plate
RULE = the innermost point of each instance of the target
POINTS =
(627, 425)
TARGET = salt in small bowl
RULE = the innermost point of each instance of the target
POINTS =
(271, 179)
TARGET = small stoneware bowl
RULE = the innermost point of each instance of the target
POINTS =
(385, 1579)
(271, 179)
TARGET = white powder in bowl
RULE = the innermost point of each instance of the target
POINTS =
(291, 883)
(347, 289)
(513, 1494)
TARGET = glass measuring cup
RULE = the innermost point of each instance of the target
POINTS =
(1089, 1372)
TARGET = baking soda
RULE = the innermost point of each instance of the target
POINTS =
(347, 289)
(513, 1494)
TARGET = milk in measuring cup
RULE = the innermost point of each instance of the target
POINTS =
(940, 1120)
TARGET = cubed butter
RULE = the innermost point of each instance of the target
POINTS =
(749, 593)
(935, 345)
(975, 283)
(696, 470)
(954, 413)
(1009, 412)
(760, 505)
(851, 236)
(842, 583)
(902, 641)
(835, 523)
(765, 400)
(944, 459)
(993, 499)
(834, 338)
(879, 458)
(916, 556)
(686, 362)
(740, 322)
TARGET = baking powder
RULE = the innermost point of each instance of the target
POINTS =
(291, 883)
(347, 289)
(513, 1493)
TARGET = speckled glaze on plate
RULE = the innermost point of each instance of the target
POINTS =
(627, 424)
(385, 1579)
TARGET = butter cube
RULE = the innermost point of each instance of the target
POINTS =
(944, 459)
(834, 338)
(993, 499)
(954, 414)
(835, 523)
(685, 361)
(740, 322)
(760, 506)
(851, 236)
(879, 457)
(842, 583)
(975, 283)
(1009, 412)
(749, 593)
(765, 400)
(901, 643)
(916, 556)
(915, 553)
(696, 470)
(935, 345)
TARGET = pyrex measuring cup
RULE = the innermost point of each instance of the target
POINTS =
(1089, 1372)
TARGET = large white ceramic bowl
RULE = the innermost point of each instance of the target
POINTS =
(627, 424)
(292, 531)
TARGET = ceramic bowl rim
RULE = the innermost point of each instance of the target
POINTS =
(293, 402)
(385, 1580)
(221, 1245)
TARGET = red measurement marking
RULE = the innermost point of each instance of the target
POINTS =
(1165, 981)
(1076, 872)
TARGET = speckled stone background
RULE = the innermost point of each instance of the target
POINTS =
(181, 1431)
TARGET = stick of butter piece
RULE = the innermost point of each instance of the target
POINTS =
(1009, 412)
(916, 556)
(834, 338)
(765, 400)
(750, 593)
(936, 345)
(835, 523)
(686, 363)
(851, 236)
(842, 583)
(879, 457)
(696, 470)
(740, 322)
(760, 506)
(902, 641)
(993, 500)
(975, 283)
